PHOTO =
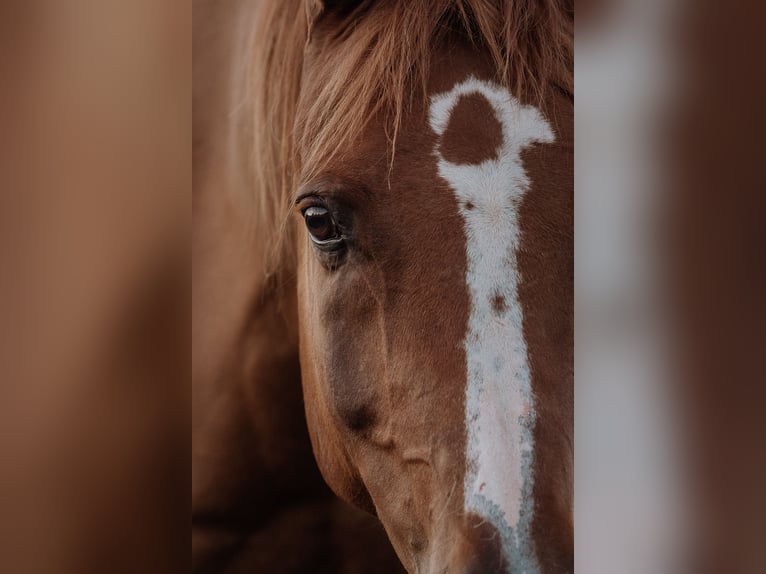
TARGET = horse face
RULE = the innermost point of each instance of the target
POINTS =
(423, 325)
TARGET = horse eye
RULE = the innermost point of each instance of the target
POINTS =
(321, 226)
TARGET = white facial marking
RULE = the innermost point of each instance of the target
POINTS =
(500, 410)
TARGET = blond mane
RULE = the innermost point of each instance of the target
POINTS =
(387, 47)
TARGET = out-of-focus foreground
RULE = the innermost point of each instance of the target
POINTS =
(95, 182)
(669, 272)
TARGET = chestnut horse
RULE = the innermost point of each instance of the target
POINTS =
(410, 259)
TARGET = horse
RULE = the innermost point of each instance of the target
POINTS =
(404, 253)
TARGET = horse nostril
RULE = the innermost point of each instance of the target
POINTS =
(479, 550)
(483, 564)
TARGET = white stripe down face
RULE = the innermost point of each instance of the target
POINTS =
(499, 402)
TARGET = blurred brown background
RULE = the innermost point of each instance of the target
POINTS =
(95, 180)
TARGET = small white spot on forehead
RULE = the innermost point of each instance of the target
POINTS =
(500, 412)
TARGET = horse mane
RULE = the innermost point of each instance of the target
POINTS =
(384, 62)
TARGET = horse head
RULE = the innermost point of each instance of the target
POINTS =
(432, 237)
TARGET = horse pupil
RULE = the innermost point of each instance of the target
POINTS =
(316, 222)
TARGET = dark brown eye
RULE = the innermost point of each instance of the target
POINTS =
(321, 226)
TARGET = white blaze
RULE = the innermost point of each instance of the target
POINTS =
(500, 410)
